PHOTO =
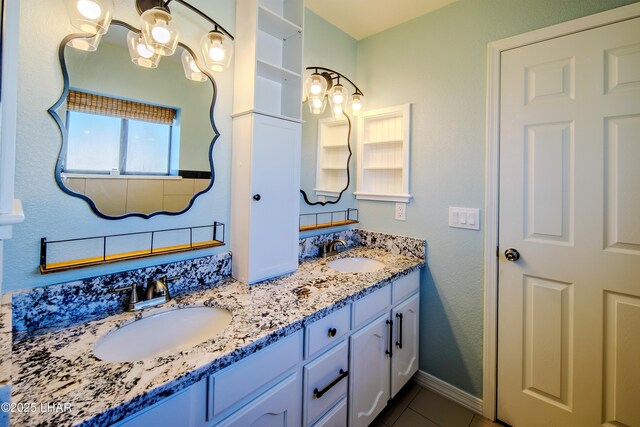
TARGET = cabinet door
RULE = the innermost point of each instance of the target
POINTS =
(279, 407)
(275, 178)
(369, 372)
(186, 408)
(404, 362)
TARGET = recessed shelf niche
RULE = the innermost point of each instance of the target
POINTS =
(383, 154)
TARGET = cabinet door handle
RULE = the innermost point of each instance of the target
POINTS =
(318, 393)
(399, 342)
(257, 197)
(389, 351)
(332, 332)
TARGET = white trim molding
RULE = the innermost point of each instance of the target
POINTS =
(452, 393)
(492, 163)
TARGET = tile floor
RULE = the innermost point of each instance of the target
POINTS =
(416, 406)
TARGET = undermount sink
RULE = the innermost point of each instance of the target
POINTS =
(355, 265)
(170, 331)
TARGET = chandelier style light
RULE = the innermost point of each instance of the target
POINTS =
(159, 34)
(324, 84)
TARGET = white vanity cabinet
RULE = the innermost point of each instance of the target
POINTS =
(383, 352)
(340, 370)
(265, 173)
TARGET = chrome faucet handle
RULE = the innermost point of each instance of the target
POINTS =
(133, 296)
(324, 249)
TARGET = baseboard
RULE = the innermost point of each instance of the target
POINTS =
(445, 389)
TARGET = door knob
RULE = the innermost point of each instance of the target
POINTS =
(256, 197)
(512, 254)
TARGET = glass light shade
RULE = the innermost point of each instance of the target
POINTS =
(338, 95)
(140, 53)
(317, 104)
(339, 100)
(315, 85)
(217, 50)
(159, 33)
(90, 16)
(356, 104)
(89, 44)
(191, 69)
(337, 111)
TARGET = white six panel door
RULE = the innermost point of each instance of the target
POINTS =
(569, 308)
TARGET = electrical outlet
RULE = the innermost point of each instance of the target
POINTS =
(401, 211)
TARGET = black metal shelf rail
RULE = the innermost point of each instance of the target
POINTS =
(217, 239)
(335, 219)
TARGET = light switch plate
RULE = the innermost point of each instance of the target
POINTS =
(401, 211)
(467, 218)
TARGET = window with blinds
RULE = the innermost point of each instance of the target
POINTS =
(116, 136)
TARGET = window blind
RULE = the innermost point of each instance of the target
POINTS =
(107, 106)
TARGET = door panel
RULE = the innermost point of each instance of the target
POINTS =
(568, 340)
(369, 372)
(404, 362)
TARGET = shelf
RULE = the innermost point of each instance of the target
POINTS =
(389, 141)
(275, 24)
(348, 217)
(327, 225)
(275, 73)
(381, 167)
(47, 267)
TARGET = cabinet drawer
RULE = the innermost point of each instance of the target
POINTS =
(330, 368)
(366, 308)
(278, 407)
(337, 417)
(252, 373)
(327, 331)
(405, 286)
(186, 408)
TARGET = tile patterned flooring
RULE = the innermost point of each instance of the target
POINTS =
(415, 406)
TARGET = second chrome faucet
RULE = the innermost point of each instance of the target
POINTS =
(331, 248)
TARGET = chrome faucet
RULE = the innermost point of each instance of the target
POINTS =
(331, 248)
(157, 293)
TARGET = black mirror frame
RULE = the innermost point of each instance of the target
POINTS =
(53, 111)
(333, 202)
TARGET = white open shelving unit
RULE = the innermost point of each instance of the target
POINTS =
(269, 59)
(333, 155)
(383, 154)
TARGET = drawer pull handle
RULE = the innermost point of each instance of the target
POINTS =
(389, 351)
(399, 343)
(333, 332)
(319, 393)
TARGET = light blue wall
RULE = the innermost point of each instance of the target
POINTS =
(437, 63)
(50, 212)
(327, 46)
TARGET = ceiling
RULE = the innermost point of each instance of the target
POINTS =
(362, 18)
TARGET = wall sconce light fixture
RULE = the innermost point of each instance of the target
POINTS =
(320, 86)
(159, 36)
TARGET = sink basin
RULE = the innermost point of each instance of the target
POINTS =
(170, 331)
(355, 265)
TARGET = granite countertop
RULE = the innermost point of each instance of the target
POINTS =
(58, 367)
(5, 340)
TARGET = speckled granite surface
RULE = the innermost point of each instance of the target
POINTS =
(71, 303)
(309, 246)
(58, 366)
(5, 339)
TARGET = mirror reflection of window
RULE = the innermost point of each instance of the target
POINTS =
(112, 136)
